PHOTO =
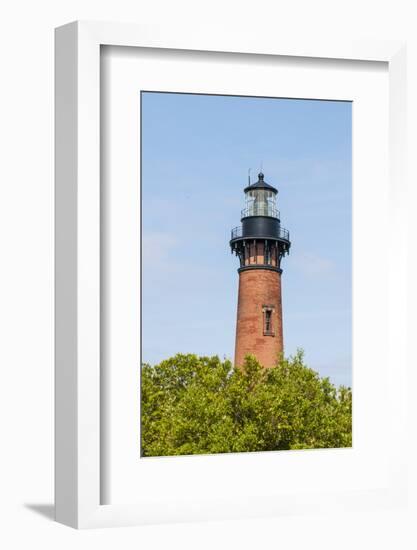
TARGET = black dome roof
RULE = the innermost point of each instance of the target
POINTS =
(261, 184)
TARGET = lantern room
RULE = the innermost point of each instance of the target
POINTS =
(260, 199)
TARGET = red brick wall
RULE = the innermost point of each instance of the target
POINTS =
(258, 288)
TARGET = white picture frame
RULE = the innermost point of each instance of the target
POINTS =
(78, 406)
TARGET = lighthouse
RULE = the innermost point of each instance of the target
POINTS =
(260, 243)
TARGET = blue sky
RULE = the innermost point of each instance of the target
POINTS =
(196, 151)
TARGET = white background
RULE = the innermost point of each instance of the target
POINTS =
(26, 300)
(274, 475)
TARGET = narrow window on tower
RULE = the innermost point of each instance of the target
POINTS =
(268, 326)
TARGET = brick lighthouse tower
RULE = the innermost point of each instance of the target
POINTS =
(260, 243)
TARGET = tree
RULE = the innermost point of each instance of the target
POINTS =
(202, 405)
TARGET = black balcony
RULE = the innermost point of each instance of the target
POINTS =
(276, 233)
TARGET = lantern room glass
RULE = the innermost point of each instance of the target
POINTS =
(260, 202)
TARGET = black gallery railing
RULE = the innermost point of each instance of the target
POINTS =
(282, 233)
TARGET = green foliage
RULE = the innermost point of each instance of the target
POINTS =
(201, 405)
